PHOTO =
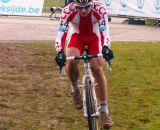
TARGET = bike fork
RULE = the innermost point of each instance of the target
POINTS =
(95, 101)
(84, 102)
(96, 114)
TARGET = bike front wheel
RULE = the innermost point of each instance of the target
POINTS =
(91, 110)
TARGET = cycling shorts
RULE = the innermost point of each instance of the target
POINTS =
(80, 41)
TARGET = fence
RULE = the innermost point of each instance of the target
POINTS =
(22, 7)
(135, 8)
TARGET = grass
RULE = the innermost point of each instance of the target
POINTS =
(33, 95)
(150, 22)
(49, 3)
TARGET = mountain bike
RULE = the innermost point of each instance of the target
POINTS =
(90, 104)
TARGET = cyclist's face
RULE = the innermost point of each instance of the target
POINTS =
(84, 9)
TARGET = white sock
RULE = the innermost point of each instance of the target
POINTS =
(104, 106)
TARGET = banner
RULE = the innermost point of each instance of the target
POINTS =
(21, 7)
(140, 8)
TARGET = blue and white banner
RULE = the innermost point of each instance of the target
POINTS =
(21, 7)
(140, 8)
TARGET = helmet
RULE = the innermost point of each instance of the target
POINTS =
(83, 1)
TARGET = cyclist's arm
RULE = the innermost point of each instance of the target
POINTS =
(61, 35)
(66, 17)
(62, 32)
(104, 30)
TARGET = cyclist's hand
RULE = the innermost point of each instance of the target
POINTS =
(60, 59)
(107, 53)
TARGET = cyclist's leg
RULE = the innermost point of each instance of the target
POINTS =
(72, 66)
(102, 92)
(97, 68)
(74, 48)
(102, 88)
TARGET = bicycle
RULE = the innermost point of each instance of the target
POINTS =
(55, 13)
(90, 103)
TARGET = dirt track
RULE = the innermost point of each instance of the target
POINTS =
(31, 29)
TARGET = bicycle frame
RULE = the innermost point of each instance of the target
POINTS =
(88, 74)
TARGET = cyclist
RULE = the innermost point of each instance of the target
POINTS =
(88, 26)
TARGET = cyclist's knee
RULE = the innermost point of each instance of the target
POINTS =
(97, 69)
(97, 65)
(71, 65)
(72, 51)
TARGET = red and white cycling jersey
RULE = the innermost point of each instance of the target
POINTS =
(89, 28)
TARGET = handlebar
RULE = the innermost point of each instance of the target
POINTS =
(84, 57)
(87, 57)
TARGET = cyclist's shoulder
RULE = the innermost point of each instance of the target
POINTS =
(99, 9)
(68, 11)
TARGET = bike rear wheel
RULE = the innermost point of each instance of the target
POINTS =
(92, 120)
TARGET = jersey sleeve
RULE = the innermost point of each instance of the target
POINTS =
(66, 15)
(104, 27)
(62, 34)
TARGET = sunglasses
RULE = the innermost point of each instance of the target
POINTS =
(83, 7)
